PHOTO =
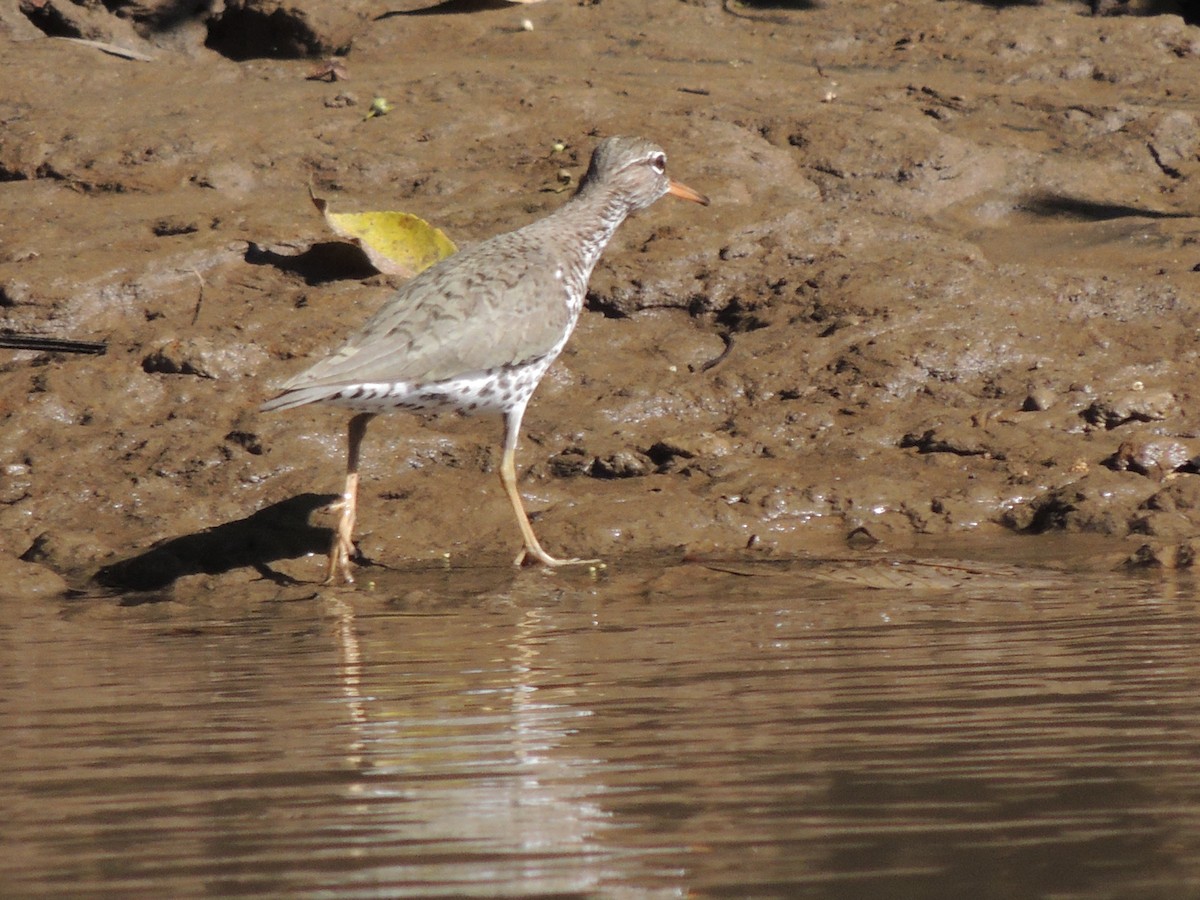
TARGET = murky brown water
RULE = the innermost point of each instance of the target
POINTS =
(827, 729)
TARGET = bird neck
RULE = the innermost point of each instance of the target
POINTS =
(588, 220)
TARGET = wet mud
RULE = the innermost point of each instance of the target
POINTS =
(947, 288)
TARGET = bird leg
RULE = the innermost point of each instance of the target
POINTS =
(343, 535)
(532, 552)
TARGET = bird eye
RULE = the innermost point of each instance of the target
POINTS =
(659, 162)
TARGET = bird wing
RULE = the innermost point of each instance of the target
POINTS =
(497, 304)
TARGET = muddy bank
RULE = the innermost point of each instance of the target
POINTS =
(949, 279)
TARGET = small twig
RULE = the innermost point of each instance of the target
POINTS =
(51, 344)
(199, 297)
(113, 49)
(728, 339)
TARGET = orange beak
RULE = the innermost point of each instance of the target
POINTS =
(683, 192)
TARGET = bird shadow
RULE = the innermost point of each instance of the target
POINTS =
(780, 4)
(447, 7)
(1066, 207)
(321, 263)
(280, 531)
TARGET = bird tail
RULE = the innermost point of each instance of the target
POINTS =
(293, 397)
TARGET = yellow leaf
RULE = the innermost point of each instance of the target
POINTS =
(397, 243)
(379, 107)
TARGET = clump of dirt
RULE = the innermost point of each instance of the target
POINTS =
(948, 283)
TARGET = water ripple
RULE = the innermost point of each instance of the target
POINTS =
(795, 731)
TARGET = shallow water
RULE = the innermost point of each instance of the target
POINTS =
(826, 729)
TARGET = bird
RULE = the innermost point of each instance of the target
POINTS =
(476, 332)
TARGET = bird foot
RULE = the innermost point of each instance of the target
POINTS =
(339, 564)
(532, 556)
(341, 549)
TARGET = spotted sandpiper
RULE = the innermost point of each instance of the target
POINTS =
(476, 332)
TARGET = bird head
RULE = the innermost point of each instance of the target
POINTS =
(635, 170)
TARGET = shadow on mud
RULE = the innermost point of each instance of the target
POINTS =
(281, 531)
(321, 263)
(1066, 207)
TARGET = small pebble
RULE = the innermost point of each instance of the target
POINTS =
(1039, 399)
(1153, 456)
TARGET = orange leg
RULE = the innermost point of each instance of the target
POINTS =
(532, 551)
(343, 535)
